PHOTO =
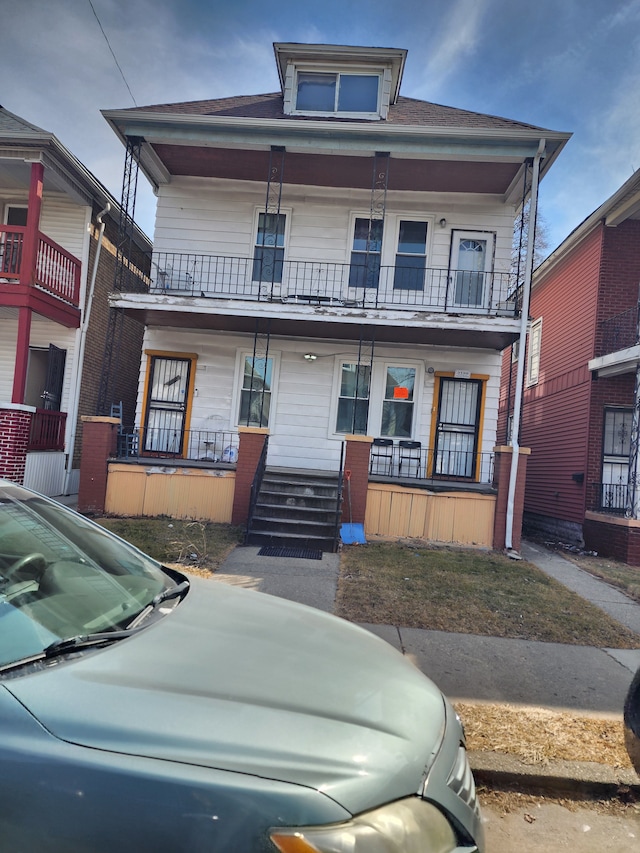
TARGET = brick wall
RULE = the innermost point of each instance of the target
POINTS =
(15, 426)
(501, 477)
(616, 538)
(127, 352)
(356, 460)
(252, 441)
(99, 437)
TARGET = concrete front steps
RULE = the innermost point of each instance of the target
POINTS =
(296, 508)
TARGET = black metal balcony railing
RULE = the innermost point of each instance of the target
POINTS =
(431, 464)
(348, 285)
(618, 332)
(194, 445)
(610, 497)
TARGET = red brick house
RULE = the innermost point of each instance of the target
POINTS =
(581, 397)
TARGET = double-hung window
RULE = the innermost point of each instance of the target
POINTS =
(533, 352)
(268, 254)
(337, 92)
(411, 257)
(255, 391)
(353, 399)
(397, 405)
(366, 253)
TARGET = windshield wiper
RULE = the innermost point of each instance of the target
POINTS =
(83, 641)
(177, 591)
(171, 592)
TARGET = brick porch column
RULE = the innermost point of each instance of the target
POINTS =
(15, 428)
(252, 441)
(99, 440)
(356, 460)
(501, 474)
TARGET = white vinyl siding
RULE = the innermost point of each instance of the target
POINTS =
(303, 410)
(210, 216)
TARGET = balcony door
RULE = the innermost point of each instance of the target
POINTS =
(168, 386)
(471, 259)
(457, 427)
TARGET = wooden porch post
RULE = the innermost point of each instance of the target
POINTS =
(31, 234)
(21, 356)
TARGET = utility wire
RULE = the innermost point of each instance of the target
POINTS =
(112, 53)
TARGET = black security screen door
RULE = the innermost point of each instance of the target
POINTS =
(457, 428)
(166, 405)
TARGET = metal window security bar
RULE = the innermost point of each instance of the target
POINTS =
(268, 272)
(377, 209)
(270, 249)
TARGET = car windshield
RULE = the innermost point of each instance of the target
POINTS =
(62, 575)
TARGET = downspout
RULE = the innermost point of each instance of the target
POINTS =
(83, 339)
(524, 321)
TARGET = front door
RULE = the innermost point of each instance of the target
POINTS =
(166, 404)
(457, 428)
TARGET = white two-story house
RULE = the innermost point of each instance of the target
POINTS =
(330, 259)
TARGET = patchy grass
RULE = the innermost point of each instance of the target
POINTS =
(540, 735)
(624, 577)
(170, 540)
(470, 592)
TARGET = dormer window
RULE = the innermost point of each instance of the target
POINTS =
(324, 80)
(328, 93)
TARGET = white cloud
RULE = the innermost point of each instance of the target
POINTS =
(452, 43)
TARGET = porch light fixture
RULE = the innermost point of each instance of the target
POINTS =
(443, 222)
(310, 356)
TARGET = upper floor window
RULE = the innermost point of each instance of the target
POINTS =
(533, 354)
(337, 92)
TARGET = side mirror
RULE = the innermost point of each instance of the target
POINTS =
(632, 722)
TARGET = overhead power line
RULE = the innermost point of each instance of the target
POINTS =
(115, 59)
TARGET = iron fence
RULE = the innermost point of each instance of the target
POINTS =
(414, 462)
(194, 445)
(329, 284)
(610, 497)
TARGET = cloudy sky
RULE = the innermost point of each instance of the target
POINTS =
(570, 65)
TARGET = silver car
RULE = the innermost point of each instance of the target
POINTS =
(141, 710)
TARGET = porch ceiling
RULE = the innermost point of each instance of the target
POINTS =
(442, 330)
(341, 170)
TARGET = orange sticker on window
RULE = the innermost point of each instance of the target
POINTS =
(401, 393)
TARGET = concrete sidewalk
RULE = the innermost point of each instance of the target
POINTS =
(475, 668)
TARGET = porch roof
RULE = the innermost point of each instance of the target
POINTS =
(433, 147)
(321, 322)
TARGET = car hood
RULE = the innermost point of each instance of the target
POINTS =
(237, 680)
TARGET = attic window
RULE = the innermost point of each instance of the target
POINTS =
(329, 93)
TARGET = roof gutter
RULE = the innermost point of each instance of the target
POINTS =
(524, 321)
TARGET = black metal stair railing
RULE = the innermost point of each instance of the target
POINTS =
(339, 491)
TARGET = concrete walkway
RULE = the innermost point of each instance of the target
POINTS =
(473, 667)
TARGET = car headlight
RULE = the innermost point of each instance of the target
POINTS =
(407, 826)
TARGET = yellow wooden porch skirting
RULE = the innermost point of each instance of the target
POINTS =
(455, 518)
(148, 490)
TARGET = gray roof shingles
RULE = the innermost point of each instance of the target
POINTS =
(407, 111)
